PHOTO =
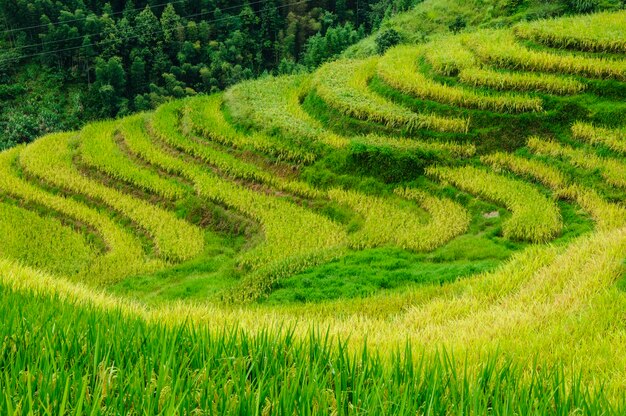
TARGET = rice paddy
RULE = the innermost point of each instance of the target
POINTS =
(485, 269)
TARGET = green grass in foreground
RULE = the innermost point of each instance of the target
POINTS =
(61, 359)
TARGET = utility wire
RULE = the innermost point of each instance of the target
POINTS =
(52, 42)
(139, 9)
(105, 42)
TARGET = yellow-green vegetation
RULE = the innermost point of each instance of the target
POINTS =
(99, 150)
(614, 139)
(612, 170)
(42, 242)
(50, 159)
(500, 48)
(274, 104)
(524, 81)
(343, 85)
(450, 57)
(606, 214)
(399, 69)
(599, 32)
(339, 242)
(294, 238)
(534, 217)
(386, 222)
(124, 254)
(164, 125)
(547, 175)
(463, 150)
(203, 116)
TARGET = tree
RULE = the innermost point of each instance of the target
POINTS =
(138, 75)
(148, 28)
(110, 85)
(171, 25)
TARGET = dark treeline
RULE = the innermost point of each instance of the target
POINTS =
(63, 63)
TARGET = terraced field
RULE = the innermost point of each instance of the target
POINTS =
(465, 195)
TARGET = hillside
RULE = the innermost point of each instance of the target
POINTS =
(439, 229)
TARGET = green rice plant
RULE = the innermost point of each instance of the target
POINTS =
(273, 104)
(203, 116)
(90, 361)
(294, 238)
(42, 242)
(499, 48)
(99, 150)
(399, 69)
(607, 215)
(124, 255)
(164, 125)
(599, 32)
(343, 85)
(521, 81)
(612, 170)
(614, 139)
(51, 160)
(534, 218)
(388, 223)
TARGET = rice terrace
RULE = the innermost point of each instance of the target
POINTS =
(432, 221)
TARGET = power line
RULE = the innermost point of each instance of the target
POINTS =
(138, 9)
(52, 42)
(142, 34)
(19, 29)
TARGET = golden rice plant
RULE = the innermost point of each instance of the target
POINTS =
(612, 170)
(614, 139)
(399, 69)
(521, 81)
(99, 150)
(164, 125)
(124, 254)
(607, 215)
(51, 159)
(448, 219)
(534, 217)
(545, 174)
(499, 48)
(343, 85)
(599, 32)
